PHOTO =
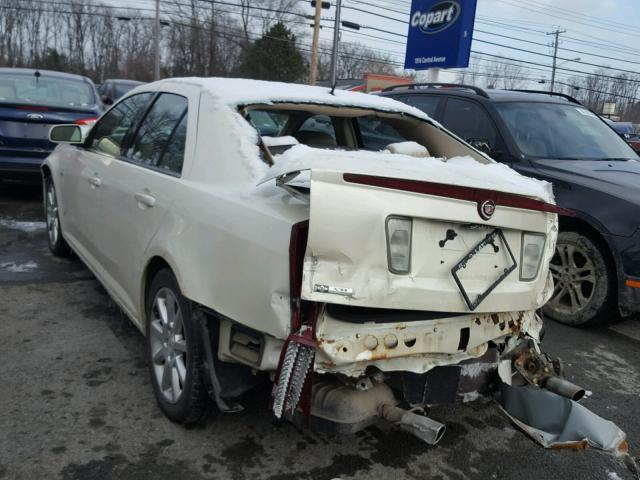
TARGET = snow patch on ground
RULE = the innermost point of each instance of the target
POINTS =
(613, 476)
(474, 370)
(22, 225)
(19, 267)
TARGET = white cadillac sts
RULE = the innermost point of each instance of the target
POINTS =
(342, 246)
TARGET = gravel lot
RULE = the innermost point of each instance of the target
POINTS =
(76, 402)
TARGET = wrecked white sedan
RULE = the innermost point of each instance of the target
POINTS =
(366, 259)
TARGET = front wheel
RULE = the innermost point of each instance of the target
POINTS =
(582, 282)
(57, 244)
(174, 349)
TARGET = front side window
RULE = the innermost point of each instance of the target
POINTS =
(561, 132)
(470, 122)
(157, 130)
(109, 133)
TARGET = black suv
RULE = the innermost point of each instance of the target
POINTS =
(553, 137)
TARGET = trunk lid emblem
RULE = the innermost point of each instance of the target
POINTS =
(486, 209)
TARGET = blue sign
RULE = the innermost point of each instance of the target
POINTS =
(440, 33)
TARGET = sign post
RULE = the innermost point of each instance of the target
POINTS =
(440, 34)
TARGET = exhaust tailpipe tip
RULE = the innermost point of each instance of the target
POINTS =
(426, 429)
(565, 388)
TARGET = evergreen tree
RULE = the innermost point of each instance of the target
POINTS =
(274, 57)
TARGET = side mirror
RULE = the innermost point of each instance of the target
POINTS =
(66, 134)
(106, 100)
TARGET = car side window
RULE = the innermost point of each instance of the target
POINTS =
(427, 103)
(317, 130)
(109, 133)
(376, 133)
(469, 121)
(173, 156)
(157, 129)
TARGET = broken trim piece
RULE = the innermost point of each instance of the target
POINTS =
(477, 195)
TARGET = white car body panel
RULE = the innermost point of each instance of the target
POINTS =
(227, 239)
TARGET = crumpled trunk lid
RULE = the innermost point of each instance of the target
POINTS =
(352, 193)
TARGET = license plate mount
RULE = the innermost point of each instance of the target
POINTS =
(489, 239)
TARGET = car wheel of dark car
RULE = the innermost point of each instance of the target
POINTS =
(174, 351)
(57, 244)
(582, 282)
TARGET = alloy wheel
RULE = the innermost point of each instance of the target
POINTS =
(574, 278)
(168, 345)
(53, 220)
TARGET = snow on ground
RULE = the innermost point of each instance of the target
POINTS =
(22, 225)
(19, 267)
(462, 171)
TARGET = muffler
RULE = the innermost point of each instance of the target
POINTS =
(423, 427)
(564, 388)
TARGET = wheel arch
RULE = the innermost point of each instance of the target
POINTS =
(581, 225)
(155, 264)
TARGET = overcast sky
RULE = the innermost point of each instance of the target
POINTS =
(608, 28)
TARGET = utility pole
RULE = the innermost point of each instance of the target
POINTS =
(556, 33)
(336, 38)
(156, 43)
(314, 44)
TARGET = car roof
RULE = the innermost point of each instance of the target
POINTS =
(237, 92)
(44, 73)
(492, 95)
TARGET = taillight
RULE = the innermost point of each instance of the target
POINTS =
(86, 121)
(399, 244)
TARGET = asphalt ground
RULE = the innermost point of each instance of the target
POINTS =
(76, 400)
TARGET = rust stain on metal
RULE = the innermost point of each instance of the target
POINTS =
(495, 318)
(478, 321)
(623, 448)
(581, 445)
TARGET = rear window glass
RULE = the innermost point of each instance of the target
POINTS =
(45, 90)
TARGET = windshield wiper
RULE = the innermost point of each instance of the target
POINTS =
(618, 159)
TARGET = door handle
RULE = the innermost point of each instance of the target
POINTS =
(95, 181)
(144, 199)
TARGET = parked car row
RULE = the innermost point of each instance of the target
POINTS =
(31, 101)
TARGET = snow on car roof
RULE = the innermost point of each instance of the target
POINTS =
(242, 91)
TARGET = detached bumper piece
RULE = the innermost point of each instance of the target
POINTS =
(558, 422)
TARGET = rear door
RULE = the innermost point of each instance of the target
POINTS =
(140, 187)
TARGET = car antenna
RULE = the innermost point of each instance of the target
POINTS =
(37, 75)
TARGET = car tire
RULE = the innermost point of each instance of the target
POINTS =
(583, 282)
(175, 353)
(57, 244)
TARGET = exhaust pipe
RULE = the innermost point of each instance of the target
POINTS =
(564, 388)
(425, 428)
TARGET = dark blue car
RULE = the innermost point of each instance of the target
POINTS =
(31, 101)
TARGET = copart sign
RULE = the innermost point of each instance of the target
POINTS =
(440, 33)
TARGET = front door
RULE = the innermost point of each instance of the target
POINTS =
(141, 185)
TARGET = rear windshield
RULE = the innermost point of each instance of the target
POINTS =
(45, 90)
(564, 132)
(371, 132)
